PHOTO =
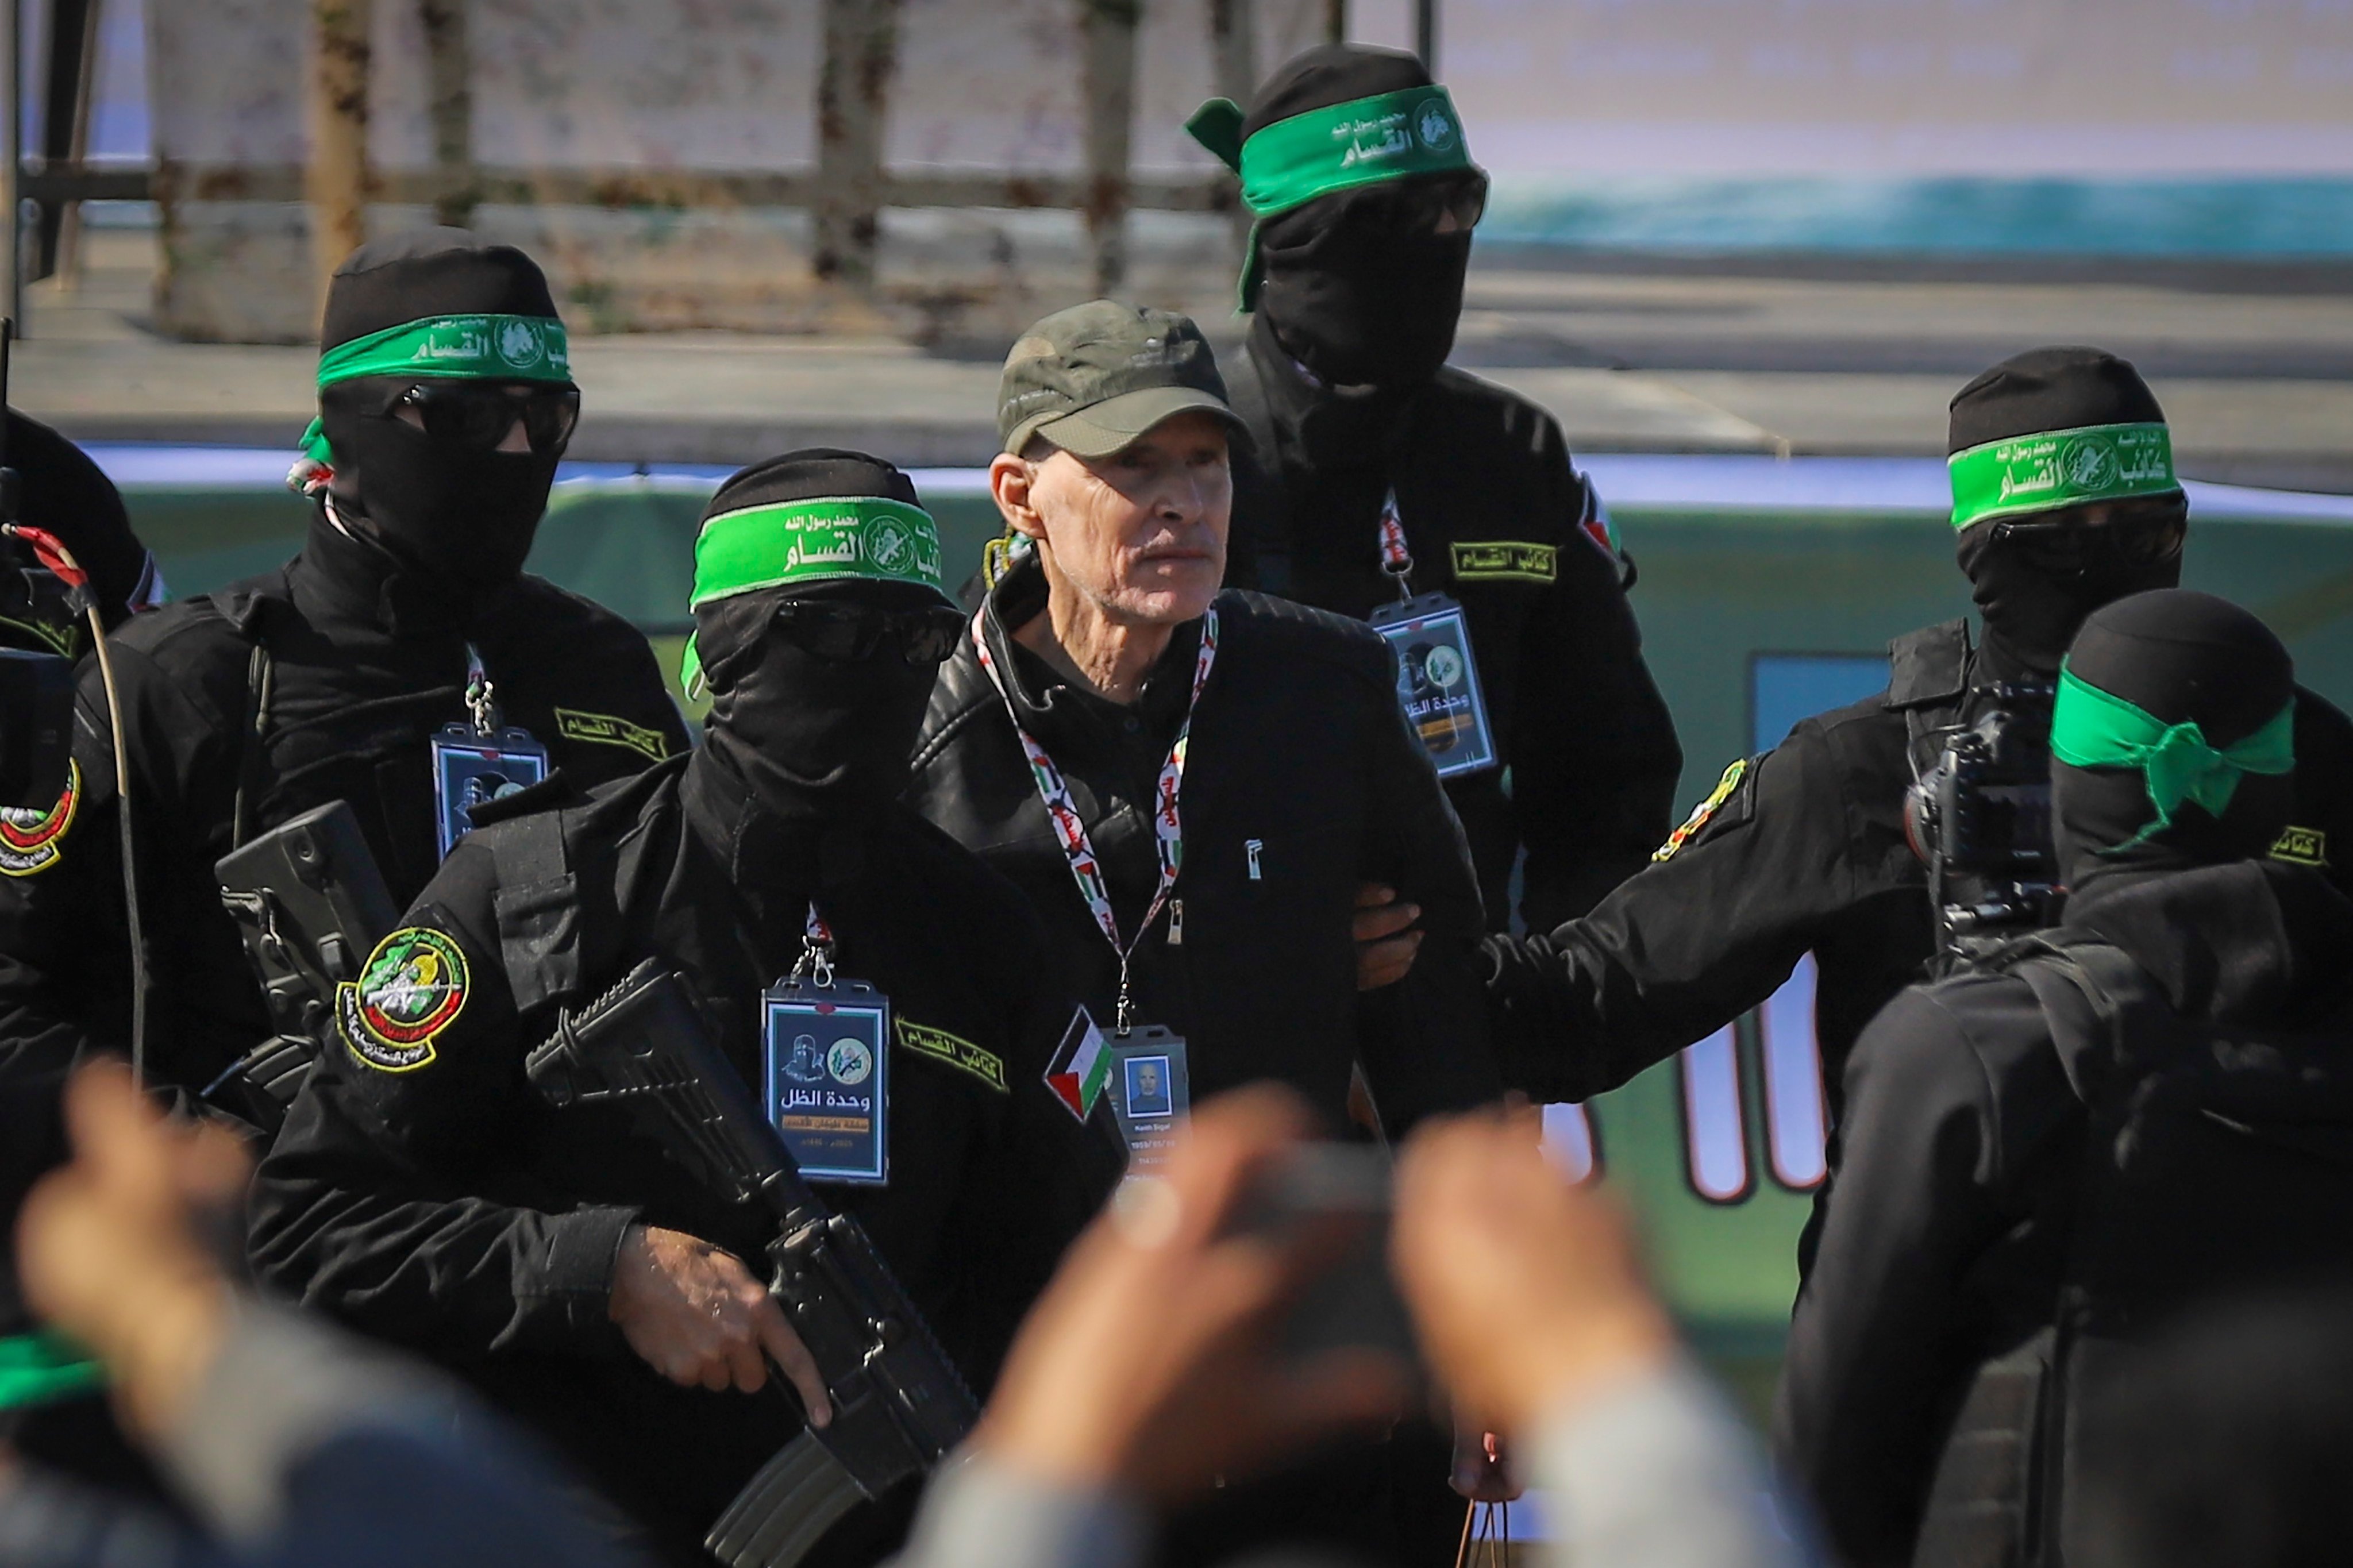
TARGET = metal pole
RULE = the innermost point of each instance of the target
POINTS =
(1425, 33)
(853, 91)
(336, 182)
(1233, 43)
(448, 60)
(1335, 21)
(15, 152)
(1109, 29)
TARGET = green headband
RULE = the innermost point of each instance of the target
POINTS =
(1364, 142)
(2094, 728)
(42, 1368)
(2060, 468)
(451, 348)
(868, 538)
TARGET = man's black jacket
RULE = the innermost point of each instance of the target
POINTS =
(449, 1209)
(1301, 781)
(1944, 1238)
(355, 669)
(1804, 852)
(1490, 507)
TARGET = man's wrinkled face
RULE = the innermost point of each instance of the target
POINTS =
(1142, 534)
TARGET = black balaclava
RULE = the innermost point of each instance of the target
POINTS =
(2030, 613)
(2182, 657)
(1357, 301)
(59, 488)
(458, 521)
(809, 737)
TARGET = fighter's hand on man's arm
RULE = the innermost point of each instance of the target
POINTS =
(1386, 940)
(698, 1317)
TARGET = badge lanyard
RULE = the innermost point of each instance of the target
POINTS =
(479, 760)
(1437, 672)
(825, 1070)
(1070, 830)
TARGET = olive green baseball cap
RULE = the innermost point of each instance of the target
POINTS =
(1094, 377)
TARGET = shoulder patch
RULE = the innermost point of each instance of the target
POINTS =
(29, 839)
(956, 1051)
(411, 990)
(605, 730)
(1504, 560)
(2302, 847)
(1704, 812)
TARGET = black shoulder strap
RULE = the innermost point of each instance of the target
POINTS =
(247, 606)
(538, 906)
(1927, 678)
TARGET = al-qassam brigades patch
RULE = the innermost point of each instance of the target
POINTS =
(2302, 847)
(1703, 811)
(29, 838)
(413, 988)
(605, 730)
(956, 1051)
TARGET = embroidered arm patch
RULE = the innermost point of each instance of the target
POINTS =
(956, 1051)
(30, 839)
(605, 730)
(2302, 847)
(408, 994)
(1704, 812)
(1505, 560)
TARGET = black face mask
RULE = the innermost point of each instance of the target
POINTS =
(2031, 614)
(1360, 288)
(810, 735)
(457, 518)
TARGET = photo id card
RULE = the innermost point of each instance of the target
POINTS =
(1150, 1093)
(825, 1074)
(470, 769)
(1438, 681)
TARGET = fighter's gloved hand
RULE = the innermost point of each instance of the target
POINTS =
(1386, 943)
(700, 1319)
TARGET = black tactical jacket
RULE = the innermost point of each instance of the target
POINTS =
(357, 678)
(1491, 509)
(1946, 1231)
(1799, 851)
(1301, 781)
(320, 681)
(446, 1208)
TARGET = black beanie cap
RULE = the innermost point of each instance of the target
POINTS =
(405, 278)
(2065, 388)
(2183, 655)
(812, 473)
(1330, 74)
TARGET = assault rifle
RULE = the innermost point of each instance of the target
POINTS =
(310, 905)
(898, 1401)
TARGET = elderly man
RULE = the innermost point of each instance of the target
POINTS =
(1192, 787)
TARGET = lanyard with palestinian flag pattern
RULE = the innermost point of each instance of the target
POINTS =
(1070, 830)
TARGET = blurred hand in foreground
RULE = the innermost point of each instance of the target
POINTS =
(1526, 1291)
(1150, 1364)
(122, 1247)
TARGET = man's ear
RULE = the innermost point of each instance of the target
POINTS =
(1010, 481)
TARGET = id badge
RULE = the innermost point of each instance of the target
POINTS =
(826, 1065)
(1150, 1093)
(1438, 681)
(470, 769)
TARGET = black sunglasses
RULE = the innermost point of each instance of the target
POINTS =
(841, 633)
(1451, 203)
(478, 414)
(2144, 538)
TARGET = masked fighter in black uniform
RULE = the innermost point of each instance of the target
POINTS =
(424, 1193)
(2065, 499)
(1379, 471)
